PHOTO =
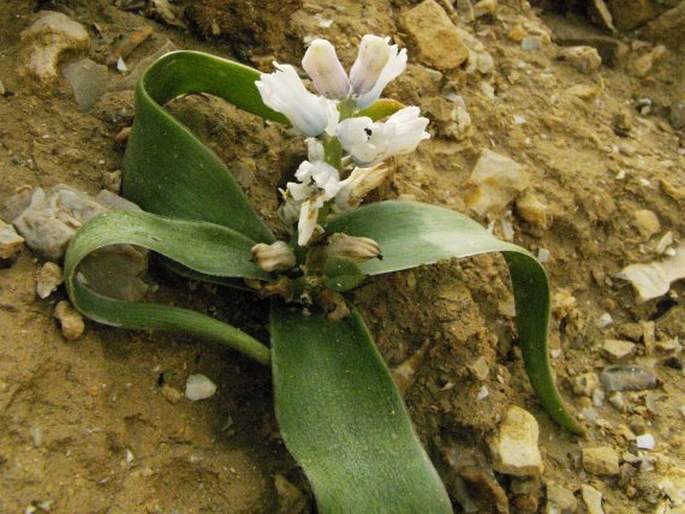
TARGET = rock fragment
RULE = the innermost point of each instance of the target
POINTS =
(645, 442)
(70, 320)
(494, 183)
(10, 241)
(49, 279)
(622, 377)
(618, 350)
(48, 220)
(585, 384)
(629, 14)
(199, 387)
(485, 7)
(560, 500)
(436, 38)
(669, 27)
(89, 81)
(584, 58)
(592, 499)
(654, 279)
(47, 40)
(532, 210)
(647, 223)
(602, 460)
(171, 394)
(514, 449)
(641, 66)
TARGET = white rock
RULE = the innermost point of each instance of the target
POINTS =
(199, 387)
(654, 279)
(494, 183)
(49, 278)
(645, 442)
(44, 43)
(592, 499)
(560, 500)
(601, 460)
(664, 243)
(515, 449)
(10, 241)
(604, 320)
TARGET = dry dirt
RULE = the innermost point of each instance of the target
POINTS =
(84, 426)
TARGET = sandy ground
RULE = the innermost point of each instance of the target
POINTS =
(85, 426)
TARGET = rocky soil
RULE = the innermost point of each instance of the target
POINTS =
(562, 130)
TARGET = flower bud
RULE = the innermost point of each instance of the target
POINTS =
(323, 67)
(277, 256)
(377, 64)
(356, 249)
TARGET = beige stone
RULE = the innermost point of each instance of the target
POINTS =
(584, 58)
(45, 42)
(647, 223)
(435, 36)
(618, 350)
(560, 500)
(49, 278)
(514, 449)
(10, 241)
(601, 460)
(532, 210)
(592, 499)
(70, 320)
(494, 183)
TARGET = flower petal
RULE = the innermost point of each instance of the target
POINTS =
(323, 66)
(377, 64)
(285, 92)
(307, 223)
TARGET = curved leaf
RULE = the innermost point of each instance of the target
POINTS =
(167, 170)
(203, 247)
(413, 234)
(342, 418)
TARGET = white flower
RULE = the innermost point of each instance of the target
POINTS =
(360, 182)
(369, 143)
(377, 64)
(321, 174)
(323, 67)
(285, 92)
(307, 224)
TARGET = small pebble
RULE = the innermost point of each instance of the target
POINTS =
(623, 377)
(592, 499)
(70, 320)
(49, 279)
(604, 320)
(585, 384)
(480, 368)
(10, 241)
(560, 500)
(531, 43)
(602, 460)
(171, 394)
(645, 442)
(543, 255)
(199, 387)
(36, 435)
(483, 393)
(618, 350)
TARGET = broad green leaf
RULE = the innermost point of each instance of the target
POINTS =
(342, 274)
(200, 246)
(342, 418)
(413, 234)
(167, 170)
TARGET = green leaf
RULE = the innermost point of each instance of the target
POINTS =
(413, 234)
(381, 109)
(342, 274)
(167, 170)
(342, 418)
(203, 247)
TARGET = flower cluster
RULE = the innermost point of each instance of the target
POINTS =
(339, 135)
